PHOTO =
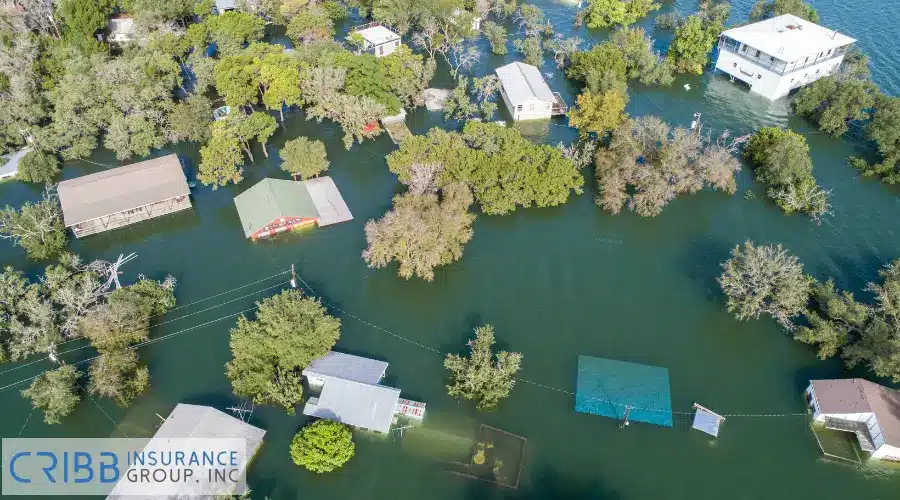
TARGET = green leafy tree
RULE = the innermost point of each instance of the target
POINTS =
(310, 25)
(834, 102)
(157, 12)
(833, 320)
(83, 18)
(598, 113)
(878, 344)
(221, 161)
(365, 78)
(781, 160)
(190, 119)
(232, 29)
(36, 227)
(483, 376)
(531, 49)
(323, 446)
(496, 35)
(237, 79)
(38, 166)
(422, 231)
(270, 351)
(884, 130)
(409, 75)
(118, 375)
(304, 158)
(694, 40)
(765, 279)
(335, 10)
(601, 13)
(55, 392)
(764, 9)
(279, 77)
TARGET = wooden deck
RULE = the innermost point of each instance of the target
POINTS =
(397, 130)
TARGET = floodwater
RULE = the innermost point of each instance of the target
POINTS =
(556, 283)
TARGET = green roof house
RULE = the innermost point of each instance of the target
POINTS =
(275, 205)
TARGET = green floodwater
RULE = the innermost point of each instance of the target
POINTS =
(556, 283)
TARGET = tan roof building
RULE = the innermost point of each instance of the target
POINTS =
(125, 195)
(870, 410)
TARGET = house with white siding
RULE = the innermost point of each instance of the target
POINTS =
(869, 410)
(378, 39)
(780, 54)
(526, 94)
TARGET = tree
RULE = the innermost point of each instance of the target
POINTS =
(232, 29)
(421, 232)
(834, 102)
(459, 105)
(531, 48)
(647, 164)
(237, 78)
(118, 374)
(309, 25)
(765, 279)
(220, 161)
(496, 35)
(694, 40)
(83, 18)
(304, 158)
(36, 227)
(158, 12)
(764, 9)
(55, 392)
(323, 446)
(483, 376)
(270, 351)
(878, 344)
(832, 321)
(781, 160)
(365, 78)
(409, 75)
(190, 119)
(598, 113)
(601, 13)
(627, 55)
(531, 19)
(38, 166)
(562, 49)
(884, 129)
(279, 77)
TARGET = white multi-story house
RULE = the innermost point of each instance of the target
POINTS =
(526, 94)
(869, 410)
(780, 54)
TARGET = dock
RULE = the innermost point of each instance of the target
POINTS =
(706, 420)
(396, 127)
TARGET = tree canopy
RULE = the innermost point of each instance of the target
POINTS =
(598, 113)
(304, 158)
(269, 351)
(764, 9)
(695, 38)
(323, 446)
(483, 376)
(38, 166)
(37, 227)
(601, 13)
(55, 392)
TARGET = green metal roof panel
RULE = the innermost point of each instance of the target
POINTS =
(270, 199)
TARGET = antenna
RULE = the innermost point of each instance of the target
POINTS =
(626, 423)
(242, 412)
(293, 277)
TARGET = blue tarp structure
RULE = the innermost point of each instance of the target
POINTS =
(608, 387)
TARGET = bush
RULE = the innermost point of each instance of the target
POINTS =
(323, 446)
(38, 166)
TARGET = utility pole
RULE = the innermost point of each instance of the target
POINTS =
(293, 277)
(626, 423)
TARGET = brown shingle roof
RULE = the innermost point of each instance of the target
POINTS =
(120, 189)
(856, 395)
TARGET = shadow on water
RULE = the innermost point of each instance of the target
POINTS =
(702, 265)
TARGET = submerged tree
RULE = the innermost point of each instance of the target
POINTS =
(598, 113)
(119, 375)
(602, 13)
(422, 231)
(765, 279)
(270, 351)
(496, 36)
(483, 376)
(695, 38)
(323, 446)
(304, 158)
(764, 9)
(36, 227)
(38, 166)
(55, 392)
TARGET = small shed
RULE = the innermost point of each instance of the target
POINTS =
(225, 5)
(346, 366)
(9, 164)
(120, 29)
(378, 39)
(273, 206)
(121, 196)
(197, 422)
(526, 94)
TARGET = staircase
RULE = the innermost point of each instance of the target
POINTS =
(858, 428)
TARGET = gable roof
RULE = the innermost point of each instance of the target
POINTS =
(347, 366)
(123, 188)
(856, 395)
(354, 403)
(788, 37)
(270, 199)
(523, 82)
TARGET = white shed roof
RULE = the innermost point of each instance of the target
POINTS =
(347, 366)
(361, 405)
(328, 201)
(523, 82)
(377, 35)
(11, 161)
(788, 37)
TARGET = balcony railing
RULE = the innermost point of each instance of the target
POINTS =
(559, 107)
(776, 66)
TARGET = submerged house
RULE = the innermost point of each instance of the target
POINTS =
(197, 422)
(121, 29)
(378, 39)
(869, 410)
(526, 94)
(350, 392)
(780, 54)
(122, 196)
(273, 206)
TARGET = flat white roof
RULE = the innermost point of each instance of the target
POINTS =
(353, 403)
(328, 201)
(788, 37)
(377, 35)
(346, 366)
(523, 82)
(11, 165)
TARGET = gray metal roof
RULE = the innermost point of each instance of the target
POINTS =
(328, 201)
(121, 189)
(523, 82)
(347, 366)
(353, 403)
(223, 5)
(271, 199)
(11, 161)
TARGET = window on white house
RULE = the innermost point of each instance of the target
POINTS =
(397, 43)
(519, 107)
